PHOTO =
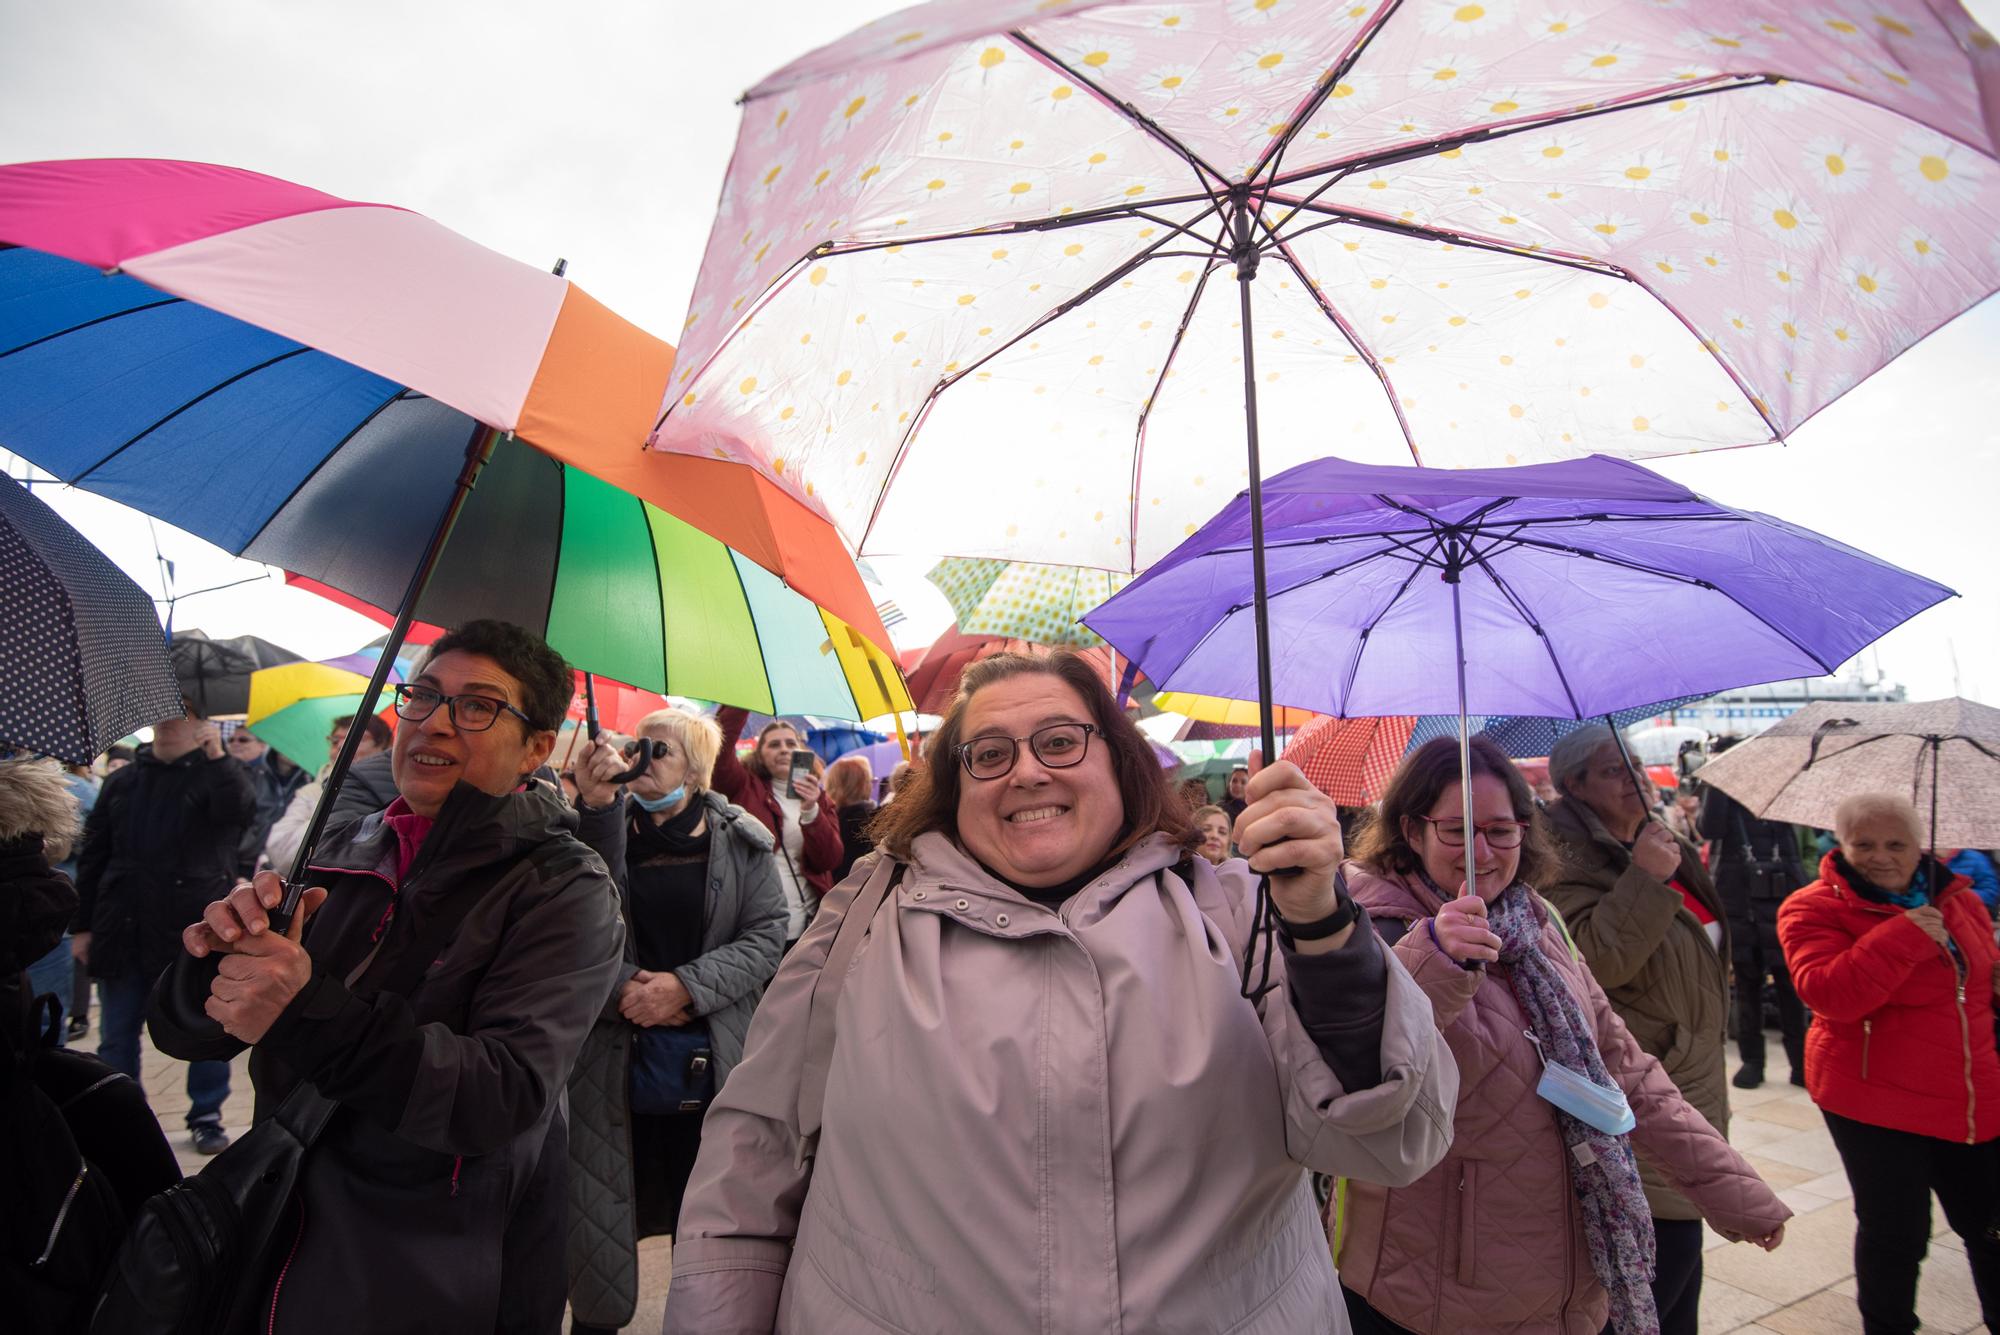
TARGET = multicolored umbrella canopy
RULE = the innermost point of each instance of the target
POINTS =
(86, 661)
(1227, 711)
(256, 361)
(293, 706)
(1020, 600)
(972, 286)
(621, 588)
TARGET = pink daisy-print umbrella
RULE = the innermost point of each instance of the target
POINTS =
(1011, 280)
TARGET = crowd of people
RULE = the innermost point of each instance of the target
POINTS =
(1043, 1041)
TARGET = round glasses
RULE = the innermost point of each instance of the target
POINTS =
(1450, 831)
(469, 713)
(1057, 746)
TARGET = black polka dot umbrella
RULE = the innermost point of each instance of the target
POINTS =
(82, 658)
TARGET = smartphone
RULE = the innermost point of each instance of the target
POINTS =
(802, 763)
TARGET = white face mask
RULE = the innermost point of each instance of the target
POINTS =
(1581, 1097)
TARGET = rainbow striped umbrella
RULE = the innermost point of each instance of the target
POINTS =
(294, 705)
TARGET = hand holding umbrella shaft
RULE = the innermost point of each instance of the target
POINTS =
(1290, 826)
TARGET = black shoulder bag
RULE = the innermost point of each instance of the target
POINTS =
(194, 1261)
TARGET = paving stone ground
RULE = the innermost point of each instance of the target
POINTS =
(1805, 1287)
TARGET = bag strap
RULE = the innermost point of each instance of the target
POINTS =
(822, 1007)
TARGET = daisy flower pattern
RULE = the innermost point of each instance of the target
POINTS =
(1738, 323)
(1610, 226)
(1261, 65)
(1710, 261)
(1868, 282)
(1664, 271)
(1551, 146)
(1935, 170)
(1919, 245)
(1649, 169)
(1786, 217)
(1167, 82)
(1839, 166)
(1698, 213)
(852, 109)
(1557, 23)
(1605, 60)
(1094, 55)
(1451, 18)
(1251, 12)
(1433, 71)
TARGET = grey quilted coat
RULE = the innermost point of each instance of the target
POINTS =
(742, 940)
(1491, 1239)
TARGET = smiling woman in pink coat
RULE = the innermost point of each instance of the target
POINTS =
(1009, 1081)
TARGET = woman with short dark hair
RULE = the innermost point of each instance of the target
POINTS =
(850, 786)
(1537, 1212)
(1010, 1080)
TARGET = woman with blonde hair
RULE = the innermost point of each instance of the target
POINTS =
(1536, 1219)
(705, 924)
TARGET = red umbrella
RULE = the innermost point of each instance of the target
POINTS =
(933, 679)
(1351, 759)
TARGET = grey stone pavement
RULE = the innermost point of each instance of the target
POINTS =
(1806, 1287)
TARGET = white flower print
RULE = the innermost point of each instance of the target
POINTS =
(1094, 55)
(1788, 330)
(1550, 146)
(1648, 169)
(1702, 215)
(1454, 18)
(1444, 71)
(1710, 260)
(1919, 245)
(1661, 270)
(1164, 83)
(1608, 227)
(1602, 60)
(1259, 64)
(1259, 11)
(1837, 164)
(1557, 23)
(854, 107)
(1936, 170)
(1736, 323)
(1785, 216)
(777, 119)
(1867, 282)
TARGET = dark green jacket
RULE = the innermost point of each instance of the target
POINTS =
(1652, 957)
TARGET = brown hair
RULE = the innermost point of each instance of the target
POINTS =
(929, 801)
(754, 762)
(1422, 778)
(850, 780)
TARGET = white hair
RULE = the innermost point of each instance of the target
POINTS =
(1862, 807)
(1571, 754)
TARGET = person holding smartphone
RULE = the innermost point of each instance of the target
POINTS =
(776, 784)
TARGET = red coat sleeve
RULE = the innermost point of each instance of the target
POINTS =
(1840, 975)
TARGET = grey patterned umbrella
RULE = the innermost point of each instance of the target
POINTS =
(82, 658)
(1944, 755)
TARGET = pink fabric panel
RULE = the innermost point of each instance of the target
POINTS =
(390, 291)
(104, 211)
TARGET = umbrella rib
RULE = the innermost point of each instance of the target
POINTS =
(1061, 309)
(1151, 127)
(87, 324)
(1274, 154)
(208, 393)
(1051, 223)
(1367, 631)
(404, 396)
(1721, 83)
(1421, 232)
(1534, 623)
(1146, 412)
(1367, 355)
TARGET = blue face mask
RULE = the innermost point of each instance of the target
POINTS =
(662, 802)
(1583, 1098)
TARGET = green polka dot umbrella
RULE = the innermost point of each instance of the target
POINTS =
(1020, 600)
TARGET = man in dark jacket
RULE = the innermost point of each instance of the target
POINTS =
(1755, 864)
(434, 1199)
(274, 779)
(159, 845)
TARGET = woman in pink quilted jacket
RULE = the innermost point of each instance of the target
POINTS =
(1535, 1220)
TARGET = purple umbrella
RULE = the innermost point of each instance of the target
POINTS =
(1562, 590)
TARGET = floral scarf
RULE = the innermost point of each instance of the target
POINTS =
(1603, 1171)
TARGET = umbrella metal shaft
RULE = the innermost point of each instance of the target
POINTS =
(1246, 273)
(478, 448)
(1464, 740)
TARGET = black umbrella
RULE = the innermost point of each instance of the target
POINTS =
(85, 658)
(215, 674)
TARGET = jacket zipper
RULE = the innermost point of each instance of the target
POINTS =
(55, 1229)
(1960, 967)
(1867, 1037)
(271, 1323)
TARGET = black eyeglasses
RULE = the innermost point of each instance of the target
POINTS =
(1499, 833)
(469, 713)
(1057, 746)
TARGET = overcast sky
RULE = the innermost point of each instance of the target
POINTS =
(599, 132)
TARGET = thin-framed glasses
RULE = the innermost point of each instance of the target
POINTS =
(469, 713)
(1058, 746)
(1450, 831)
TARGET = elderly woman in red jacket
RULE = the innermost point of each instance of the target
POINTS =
(1895, 956)
(797, 812)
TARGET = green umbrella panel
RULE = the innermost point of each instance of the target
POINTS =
(1019, 600)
